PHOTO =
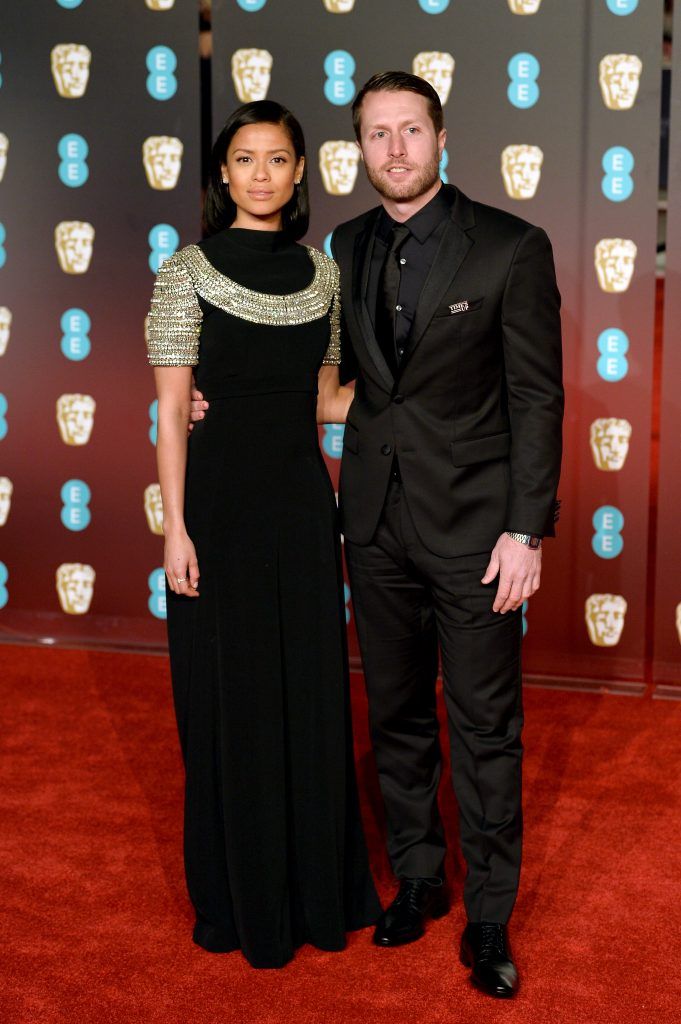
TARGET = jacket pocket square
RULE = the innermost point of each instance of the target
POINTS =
(464, 306)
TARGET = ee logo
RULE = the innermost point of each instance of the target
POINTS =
(622, 7)
(613, 345)
(163, 241)
(327, 245)
(617, 183)
(75, 343)
(75, 514)
(523, 70)
(73, 169)
(348, 613)
(4, 576)
(157, 594)
(3, 236)
(339, 67)
(3, 417)
(608, 522)
(524, 614)
(433, 6)
(153, 416)
(333, 439)
(69, 5)
(444, 163)
(161, 81)
(251, 5)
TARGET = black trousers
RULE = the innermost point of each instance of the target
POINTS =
(408, 602)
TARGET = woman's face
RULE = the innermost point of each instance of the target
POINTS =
(262, 171)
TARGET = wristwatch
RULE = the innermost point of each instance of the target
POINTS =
(532, 540)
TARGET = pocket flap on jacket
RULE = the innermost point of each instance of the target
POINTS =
(480, 449)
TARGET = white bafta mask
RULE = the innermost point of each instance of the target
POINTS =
(338, 163)
(153, 507)
(75, 418)
(614, 260)
(619, 75)
(521, 170)
(604, 614)
(5, 328)
(4, 149)
(75, 586)
(438, 69)
(251, 74)
(74, 240)
(6, 489)
(159, 5)
(71, 69)
(162, 159)
(524, 6)
(339, 6)
(609, 439)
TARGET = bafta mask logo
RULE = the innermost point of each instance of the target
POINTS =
(678, 621)
(74, 240)
(524, 6)
(251, 74)
(619, 75)
(339, 6)
(4, 149)
(604, 614)
(438, 69)
(75, 417)
(71, 69)
(6, 489)
(609, 439)
(614, 260)
(159, 5)
(162, 158)
(153, 507)
(5, 327)
(338, 163)
(521, 170)
(75, 587)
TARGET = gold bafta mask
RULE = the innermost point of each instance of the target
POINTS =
(438, 69)
(614, 261)
(521, 170)
(153, 507)
(524, 6)
(73, 240)
(159, 5)
(338, 163)
(6, 489)
(5, 327)
(4, 148)
(678, 621)
(251, 73)
(609, 439)
(75, 586)
(71, 69)
(604, 614)
(339, 6)
(162, 159)
(75, 417)
(619, 75)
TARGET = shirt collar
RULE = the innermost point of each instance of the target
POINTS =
(423, 223)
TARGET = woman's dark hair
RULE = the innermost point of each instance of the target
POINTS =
(398, 81)
(219, 210)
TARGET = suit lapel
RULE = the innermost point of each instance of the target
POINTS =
(361, 265)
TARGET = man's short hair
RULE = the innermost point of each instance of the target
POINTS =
(398, 81)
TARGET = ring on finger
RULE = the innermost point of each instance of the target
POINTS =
(181, 579)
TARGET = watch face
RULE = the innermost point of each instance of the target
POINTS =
(535, 542)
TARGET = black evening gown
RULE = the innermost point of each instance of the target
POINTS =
(275, 854)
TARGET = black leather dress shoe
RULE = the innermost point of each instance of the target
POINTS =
(404, 920)
(484, 948)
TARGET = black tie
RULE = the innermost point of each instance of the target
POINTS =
(386, 297)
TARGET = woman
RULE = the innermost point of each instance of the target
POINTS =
(274, 849)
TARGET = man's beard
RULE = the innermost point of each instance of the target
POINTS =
(404, 192)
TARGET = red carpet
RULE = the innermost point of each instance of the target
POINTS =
(97, 926)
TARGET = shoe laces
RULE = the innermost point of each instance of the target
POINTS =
(410, 892)
(492, 945)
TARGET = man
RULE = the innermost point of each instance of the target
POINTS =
(453, 440)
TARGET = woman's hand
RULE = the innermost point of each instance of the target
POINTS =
(180, 564)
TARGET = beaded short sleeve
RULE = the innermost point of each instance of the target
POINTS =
(174, 320)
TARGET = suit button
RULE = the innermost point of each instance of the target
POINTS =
(398, 399)
(386, 450)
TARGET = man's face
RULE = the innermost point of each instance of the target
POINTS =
(5, 325)
(5, 498)
(338, 161)
(605, 618)
(615, 264)
(399, 145)
(610, 443)
(619, 81)
(521, 170)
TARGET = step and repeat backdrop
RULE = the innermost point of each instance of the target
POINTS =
(553, 114)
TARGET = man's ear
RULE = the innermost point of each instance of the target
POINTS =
(442, 141)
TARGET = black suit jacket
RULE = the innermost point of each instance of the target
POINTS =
(475, 414)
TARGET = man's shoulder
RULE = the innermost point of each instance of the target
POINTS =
(503, 224)
(350, 228)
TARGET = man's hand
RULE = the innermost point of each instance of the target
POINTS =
(198, 408)
(519, 569)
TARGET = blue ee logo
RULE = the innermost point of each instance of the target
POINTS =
(4, 576)
(75, 343)
(73, 169)
(617, 183)
(346, 592)
(163, 241)
(444, 163)
(523, 70)
(333, 439)
(622, 7)
(75, 514)
(153, 416)
(3, 254)
(251, 5)
(3, 417)
(613, 345)
(161, 81)
(157, 594)
(608, 522)
(433, 6)
(339, 67)
(69, 5)
(327, 245)
(524, 613)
